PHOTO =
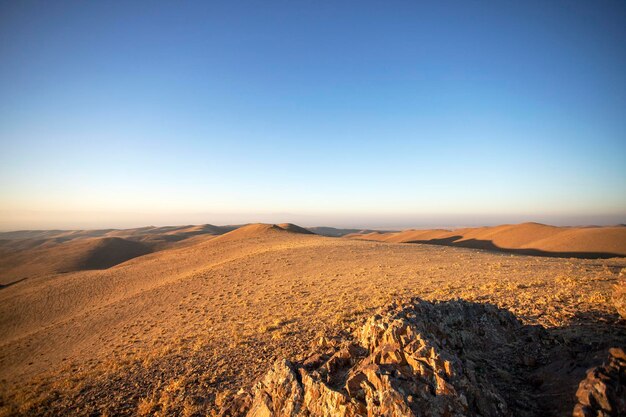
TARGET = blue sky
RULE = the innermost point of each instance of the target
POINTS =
(377, 114)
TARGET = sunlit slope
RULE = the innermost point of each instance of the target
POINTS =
(39, 307)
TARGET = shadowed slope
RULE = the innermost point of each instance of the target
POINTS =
(105, 253)
(290, 227)
(81, 254)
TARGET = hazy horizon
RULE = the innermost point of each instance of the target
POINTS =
(134, 220)
(347, 115)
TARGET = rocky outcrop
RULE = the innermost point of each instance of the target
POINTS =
(424, 359)
(603, 392)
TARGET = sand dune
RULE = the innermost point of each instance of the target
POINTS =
(256, 230)
(525, 238)
(336, 232)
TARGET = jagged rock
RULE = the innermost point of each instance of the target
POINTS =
(603, 392)
(279, 393)
(423, 359)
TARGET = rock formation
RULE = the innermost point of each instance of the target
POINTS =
(426, 359)
(603, 392)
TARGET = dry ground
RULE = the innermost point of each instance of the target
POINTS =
(167, 332)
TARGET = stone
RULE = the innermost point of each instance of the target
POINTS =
(603, 392)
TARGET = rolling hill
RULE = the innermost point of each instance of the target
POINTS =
(177, 330)
(526, 238)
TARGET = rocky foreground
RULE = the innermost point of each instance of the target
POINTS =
(453, 358)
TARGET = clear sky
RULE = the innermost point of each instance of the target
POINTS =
(367, 114)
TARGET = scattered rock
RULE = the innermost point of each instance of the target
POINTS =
(619, 294)
(437, 359)
(233, 404)
(603, 392)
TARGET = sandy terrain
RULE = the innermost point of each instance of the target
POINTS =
(169, 332)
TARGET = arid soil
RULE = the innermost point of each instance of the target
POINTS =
(176, 331)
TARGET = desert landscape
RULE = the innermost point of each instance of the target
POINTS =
(312, 209)
(186, 320)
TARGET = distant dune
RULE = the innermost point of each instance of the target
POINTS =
(290, 227)
(255, 230)
(27, 254)
(335, 232)
(31, 253)
(166, 233)
(526, 238)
